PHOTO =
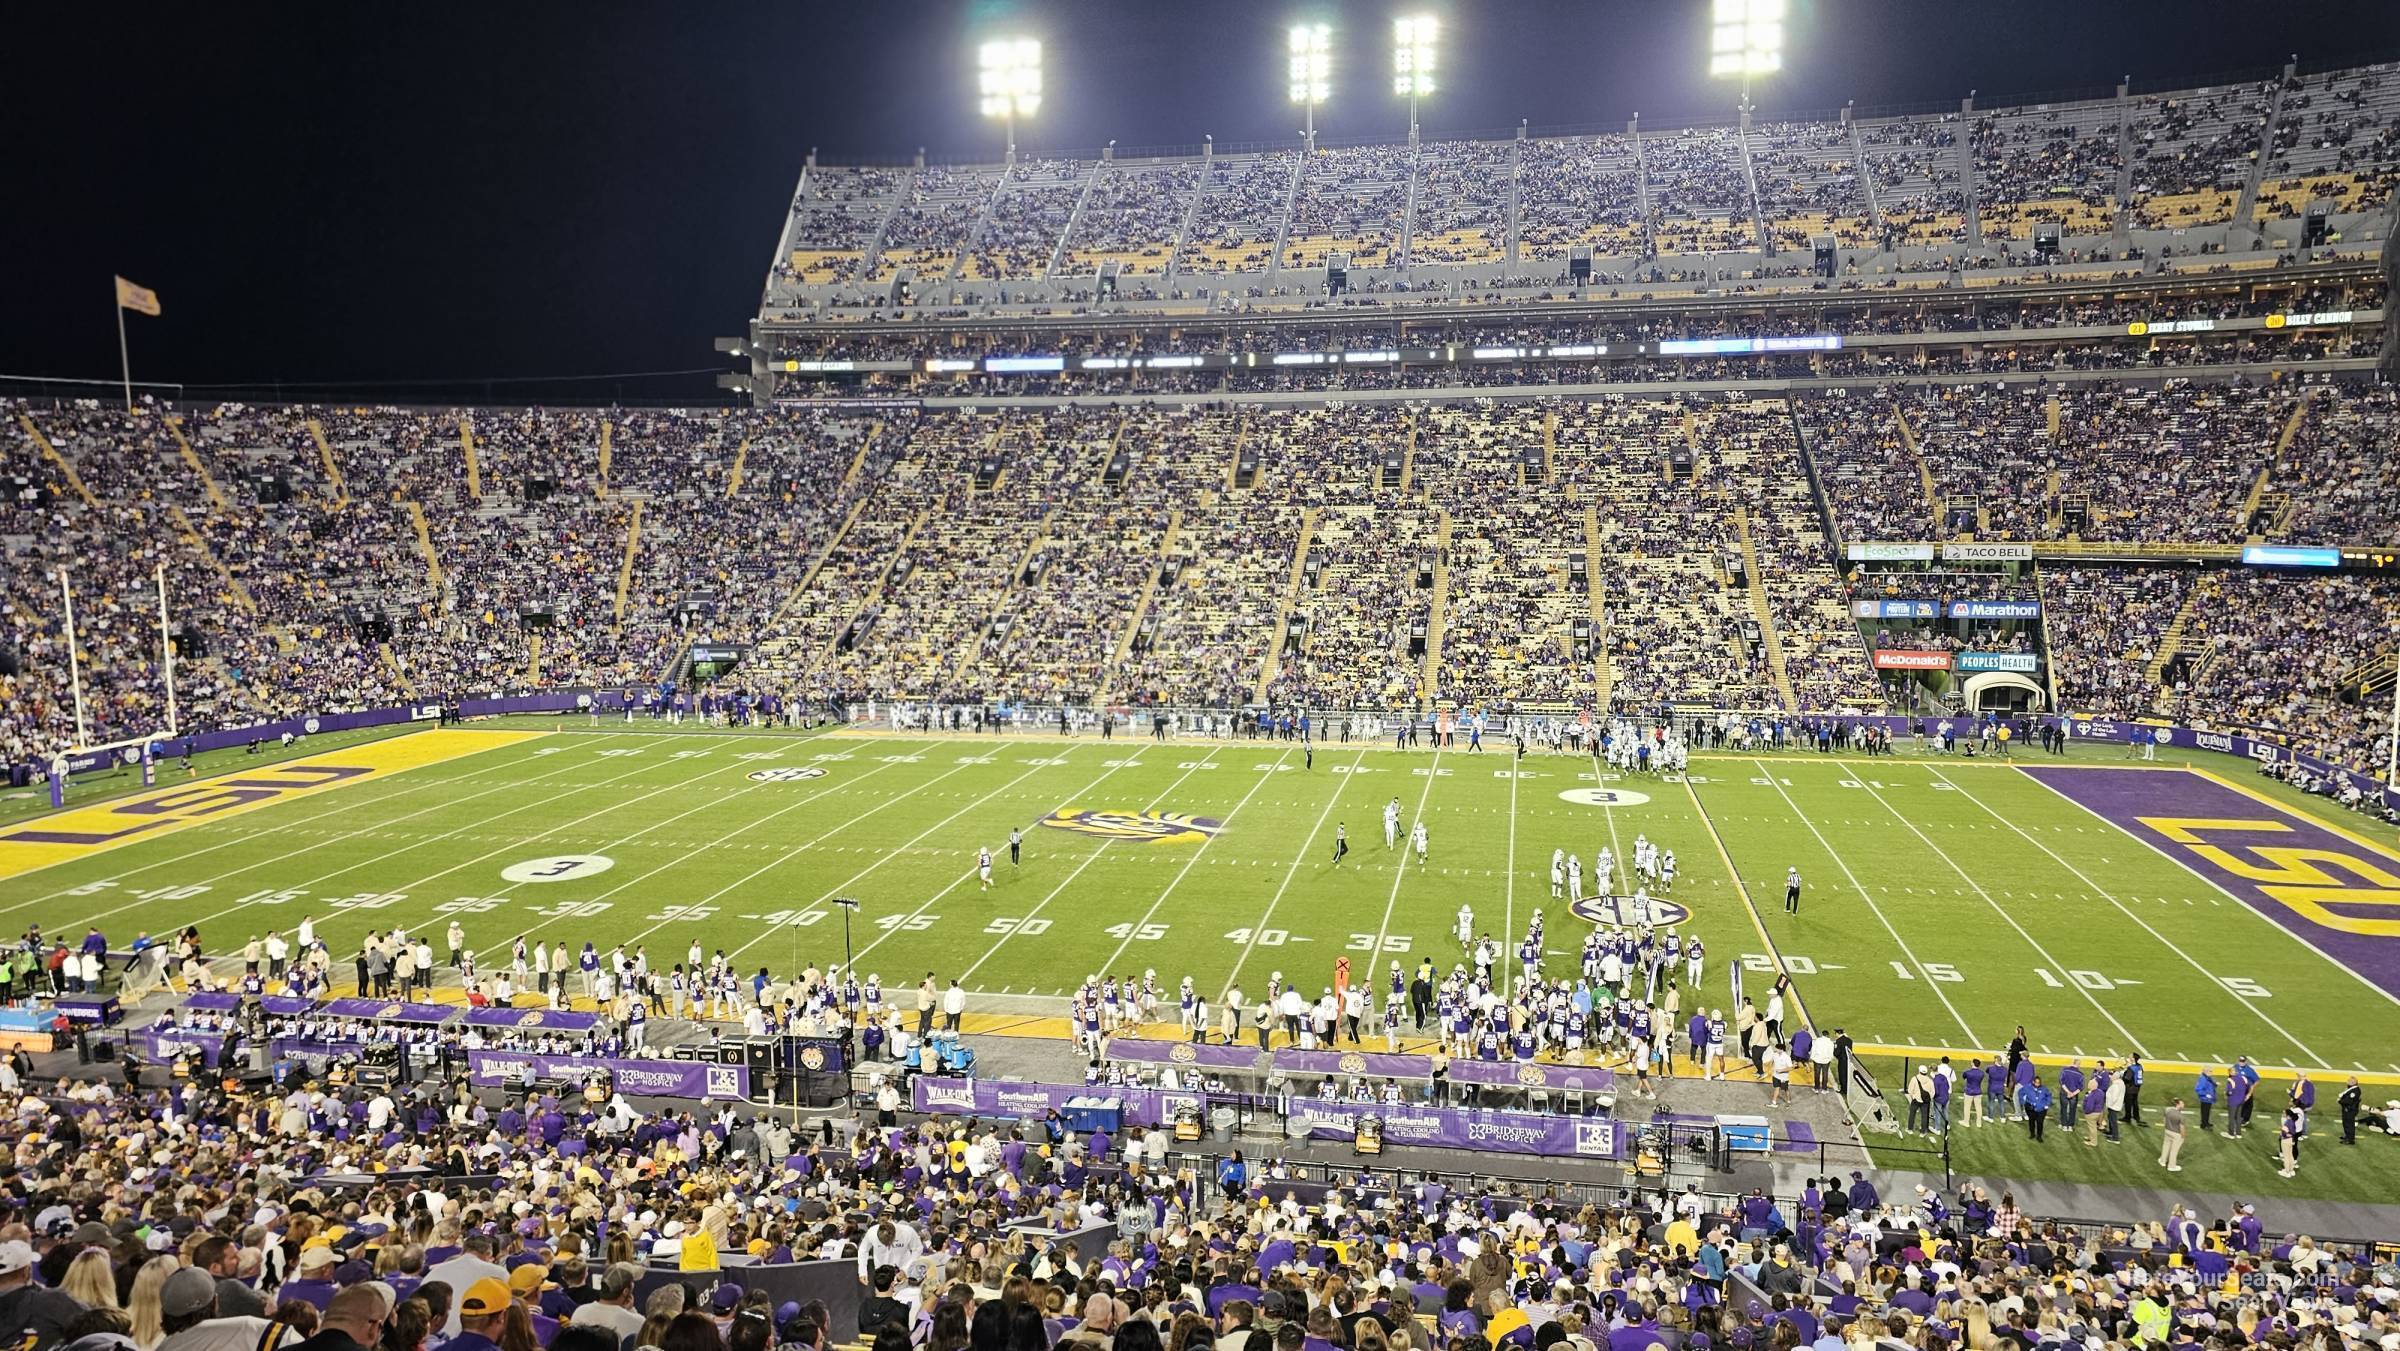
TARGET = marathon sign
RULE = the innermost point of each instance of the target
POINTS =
(1995, 609)
(696, 1080)
(1987, 553)
(1874, 551)
(1908, 659)
(1999, 661)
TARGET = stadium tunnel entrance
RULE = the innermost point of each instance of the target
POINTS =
(2004, 692)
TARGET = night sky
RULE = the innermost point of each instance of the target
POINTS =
(349, 195)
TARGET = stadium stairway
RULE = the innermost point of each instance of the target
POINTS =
(1283, 606)
(333, 467)
(2252, 181)
(1916, 456)
(2278, 505)
(1437, 619)
(191, 458)
(1602, 675)
(65, 467)
(466, 443)
(633, 535)
(858, 464)
(533, 659)
(1141, 606)
(733, 476)
(425, 549)
(1764, 612)
(2170, 640)
(199, 545)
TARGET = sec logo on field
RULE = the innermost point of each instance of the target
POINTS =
(1625, 912)
(1604, 797)
(787, 774)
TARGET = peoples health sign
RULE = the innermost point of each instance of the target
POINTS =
(1999, 661)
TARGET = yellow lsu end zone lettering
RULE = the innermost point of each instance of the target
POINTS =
(2292, 876)
(85, 831)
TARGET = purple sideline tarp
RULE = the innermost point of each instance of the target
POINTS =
(1004, 1097)
(1153, 1051)
(1374, 1064)
(388, 1010)
(160, 1047)
(1461, 1128)
(530, 1020)
(1432, 1127)
(1532, 1074)
(692, 1079)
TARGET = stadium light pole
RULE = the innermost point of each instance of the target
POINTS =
(1312, 67)
(1010, 79)
(1746, 39)
(1413, 62)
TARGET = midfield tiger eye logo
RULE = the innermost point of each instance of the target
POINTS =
(1155, 827)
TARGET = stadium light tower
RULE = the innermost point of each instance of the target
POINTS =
(1413, 61)
(1746, 39)
(1011, 83)
(1312, 66)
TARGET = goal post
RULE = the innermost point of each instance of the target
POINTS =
(84, 756)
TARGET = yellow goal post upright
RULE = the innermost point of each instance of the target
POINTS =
(84, 756)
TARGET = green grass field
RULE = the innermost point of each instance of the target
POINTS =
(1946, 901)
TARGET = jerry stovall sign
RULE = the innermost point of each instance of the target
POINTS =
(2336, 892)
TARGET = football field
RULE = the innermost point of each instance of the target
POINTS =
(2106, 908)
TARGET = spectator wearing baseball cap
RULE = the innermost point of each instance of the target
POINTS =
(526, 1283)
(613, 1308)
(314, 1285)
(27, 1310)
(187, 1309)
(480, 1312)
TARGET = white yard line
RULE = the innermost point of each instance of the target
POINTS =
(461, 830)
(1861, 888)
(1088, 861)
(1307, 847)
(1509, 893)
(2104, 894)
(887, 856)
(1400, 874)
(2002, 912)
(1188, 864)
(2214, 885)
(678, 913)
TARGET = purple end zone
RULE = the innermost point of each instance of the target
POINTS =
(2350, 916)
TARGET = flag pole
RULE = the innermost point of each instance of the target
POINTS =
(166, 648)
(124, 357)
(74, 663)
